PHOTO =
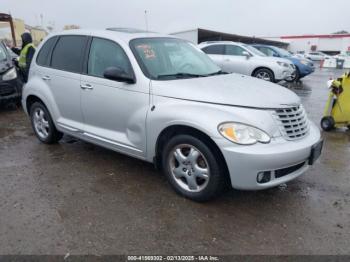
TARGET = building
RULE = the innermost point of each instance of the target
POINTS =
(19, 28)
(331, 44)
(200, 35)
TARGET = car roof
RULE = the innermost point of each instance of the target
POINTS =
(207, 43)
(124, 34)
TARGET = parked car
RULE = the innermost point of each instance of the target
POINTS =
(317, 56)
(162, 100)
(303, 67)
(10, 84)
(244, 59)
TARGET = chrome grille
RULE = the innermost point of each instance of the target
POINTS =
(292, 122)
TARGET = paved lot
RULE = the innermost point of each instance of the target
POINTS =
(79, 198)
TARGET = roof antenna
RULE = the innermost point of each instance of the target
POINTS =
(146, 20)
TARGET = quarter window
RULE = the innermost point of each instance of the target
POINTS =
(68, 53)
(105, 53)
(44, 53)
(214, 49)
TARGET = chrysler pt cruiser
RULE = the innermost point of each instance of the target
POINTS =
(162, 100)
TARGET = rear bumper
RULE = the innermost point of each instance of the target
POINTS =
(285, 160)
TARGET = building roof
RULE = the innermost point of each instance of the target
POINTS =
(315, 36)
(205, 35)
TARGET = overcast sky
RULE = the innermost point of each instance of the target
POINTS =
(247, 17)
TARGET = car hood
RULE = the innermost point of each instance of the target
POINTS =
(230, 89)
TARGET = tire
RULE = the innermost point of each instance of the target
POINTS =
(294, 77)
(264, 74)
(43, 125)
(327, 123)
(200, 176)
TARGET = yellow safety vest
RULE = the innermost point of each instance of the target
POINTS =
(23, 55)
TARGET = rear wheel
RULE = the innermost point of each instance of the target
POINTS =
(264, 74)
(43, 125)
(193, 169)
(327, 123)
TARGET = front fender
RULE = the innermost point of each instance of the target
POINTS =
(204, 117)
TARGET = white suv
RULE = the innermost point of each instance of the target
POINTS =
(162, 100)
(244, 59)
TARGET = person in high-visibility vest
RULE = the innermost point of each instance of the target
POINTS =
(26, 54)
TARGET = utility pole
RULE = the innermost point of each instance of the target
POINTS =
(146, 20)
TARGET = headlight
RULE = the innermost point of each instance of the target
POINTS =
(243, 134)
(9, 75)
(304, 62)
(282, 64)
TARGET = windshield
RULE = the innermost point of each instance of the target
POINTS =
(254, 50)
(283, 52)
(169, 58)
(3, 55)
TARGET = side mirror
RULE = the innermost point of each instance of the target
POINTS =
(246, 54)
(275, 55)
(118, 74)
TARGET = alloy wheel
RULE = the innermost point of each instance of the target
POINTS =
(41, 123)
(189, 168)
(264, 76)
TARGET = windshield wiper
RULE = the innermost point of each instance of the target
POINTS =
(179, 75)
(220, 72)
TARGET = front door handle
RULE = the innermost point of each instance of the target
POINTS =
(86, 87)
(46, 78)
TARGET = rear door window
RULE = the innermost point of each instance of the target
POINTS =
(68, 53)
(214, 49)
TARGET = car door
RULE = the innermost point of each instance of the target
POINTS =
(114, 112)
(62, 76)
(216, 53)
(235, 61)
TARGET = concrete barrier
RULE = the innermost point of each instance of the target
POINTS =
(347, 63)
(330, 63)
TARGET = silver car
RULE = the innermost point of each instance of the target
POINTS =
(162, 100)
(244, 59)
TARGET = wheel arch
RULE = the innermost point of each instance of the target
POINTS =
(30, 100)
(170, 131)
(263, 67)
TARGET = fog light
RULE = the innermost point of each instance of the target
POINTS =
(263, 177)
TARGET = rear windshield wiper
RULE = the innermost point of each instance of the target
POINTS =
(179, 75)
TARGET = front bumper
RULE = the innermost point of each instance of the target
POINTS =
(245, 162)
(10, 90)
(282, 73)
(306, 70)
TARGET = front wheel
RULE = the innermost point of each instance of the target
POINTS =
(327, 123)
(43, 125)
(193, 169)
(264, 74)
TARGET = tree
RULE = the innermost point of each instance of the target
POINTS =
(68, 27)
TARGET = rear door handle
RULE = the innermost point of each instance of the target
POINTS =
(86, 87)
(46, 78)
